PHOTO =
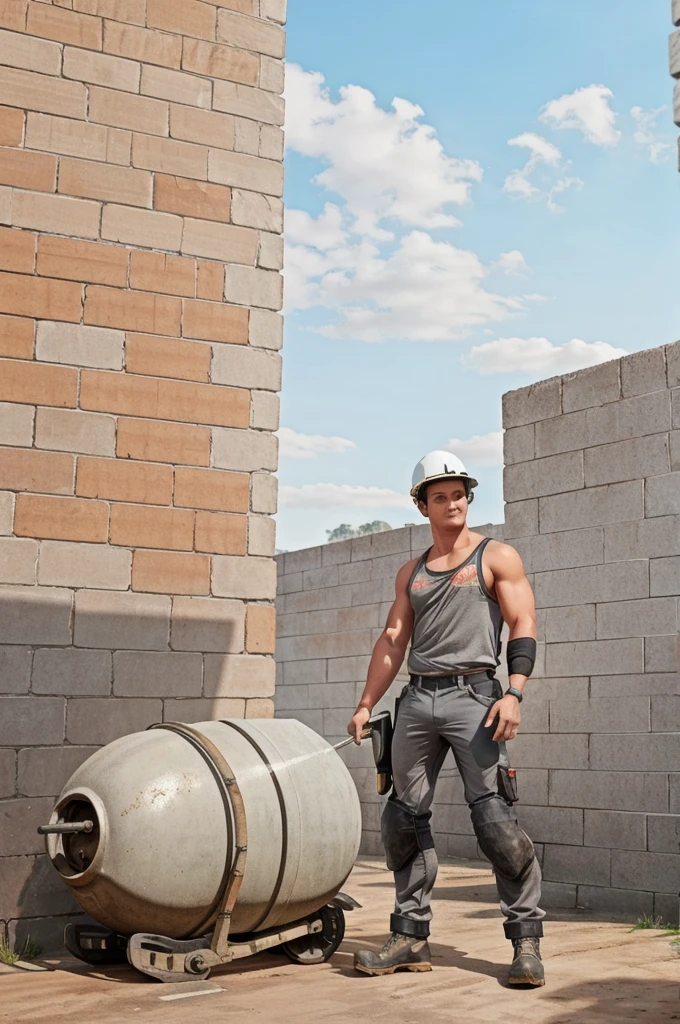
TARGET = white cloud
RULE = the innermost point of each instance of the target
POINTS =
(538, 356)
(587, 110)
(561, 186)
(293, 445)
(512, 263)
(518, 183)
(384, 163)
(645, 134)
(342, 496)
(478, 450)
(322, 232)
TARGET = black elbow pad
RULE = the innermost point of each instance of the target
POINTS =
(521, 656)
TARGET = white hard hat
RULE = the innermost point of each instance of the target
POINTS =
(439, 465)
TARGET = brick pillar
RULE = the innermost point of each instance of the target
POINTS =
(140, 185)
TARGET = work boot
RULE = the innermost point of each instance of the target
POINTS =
(400, 953)
(527, 968)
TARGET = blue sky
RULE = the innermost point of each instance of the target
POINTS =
(514, 215)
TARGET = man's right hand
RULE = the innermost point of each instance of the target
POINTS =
(357, 723)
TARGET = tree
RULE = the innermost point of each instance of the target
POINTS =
(346, 532)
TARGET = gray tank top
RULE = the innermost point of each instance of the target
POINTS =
(458, 624)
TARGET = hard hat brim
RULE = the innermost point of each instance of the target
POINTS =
(443, 476)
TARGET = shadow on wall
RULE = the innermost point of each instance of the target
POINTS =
(79, 670)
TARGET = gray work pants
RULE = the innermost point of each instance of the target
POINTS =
(428, 724)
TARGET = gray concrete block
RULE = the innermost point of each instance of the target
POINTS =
(675, 400)
(674, 794)
(645, 752)
(652, 616)
(355, 572)
(43, 771)
(566, 550)
(634, 685)
(594, 386)
(354, 756)
(299, 561)
(595, 657)
(31, 888)
(328, 696)
(334, 645)
(575, 622)
(676, 21)
(562, 825)
(618, 829)
(360, 547)
(365, 782)
(310, 672)
(387, 566)
(628, 904)
(655, 872)
(533, 786)
(19, 820)
(370, 817)
(558, 895)
(207, 624)
(15, 669)
(559, 688)
(566, 433)
(421, 536)
(595, 506)
(72, 671)
(8, 773)
(110, 620)
(628, 418)
(371, 845)
(605, 715)
(312, 719)
(289, 584)
(556, 474)
(666, 713)
(667, 907)
(662, 495)
(535, 716)
(674, 54)
(521, 518)
(157, 674)
(48, 932)
(584, 865)
(335, 553)
(36, 615)
(647, 538)
(203, 709)
(466, 848)
(353, 669)
(636, 459)
(335, 721)
(675, 449)
(31, 721)
(619, 791)
(372, 591)
(663, 833)
(662, 654)
(530, 751)
(318, 579)
(391, 542)
(518, 444)
(664, 578)
(643, 372)
(313, 600)
(98, 720)
(537, 402)
(592, 584)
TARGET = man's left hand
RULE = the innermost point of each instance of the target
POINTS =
(506, 714)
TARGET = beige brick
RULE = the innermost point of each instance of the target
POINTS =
(266, 329)
(167, 357)
(44, 472)
(170, 156)
(12, 126)
(33, 615)
(244, 450)
(244, 6)
(136, 113)
(206, 127)
(216, 61)
(61, 518)
(192, 198)
(65, 26)
(79, 345)
(164, 572)
(256, 104)
(212, 490)
(36, 384)
(75, 431)
(101, 69)
(17, 250)
(35, 171)
(250, 33)
(82, 261)
(7, 515)
(5, 205)
(207, 624)
(142, 227)
(271, 142)
(16, 424)
(135, 482)
(41, 92)
(133, 11)
(76, 138)
(273, 10)
(25, 722)
(43, 771)
(220, 533)
(144, 527)
(264, 412)
(239, 675)
(259, 708)
(158, 272)
(142, 44)
(243, 171)
(163, 442)
(263, 288)
(218, 241)
(154, 398)
(246, 136)
(132, 311)
(248, 578)
(199, 709)
(261, 536)
(18, 560)
(257, 211)
(210, 281)
(110, 620)
(30, 53)
(156, 674)
(187, 17)
(215, 321)
(59, 214)
(176, 86)
(100, 720)
(272, 75)
(83, 565)
(13, 14)
(72, 672)
(260, 628)
(264, 493)
(103, 181)
(270, 251)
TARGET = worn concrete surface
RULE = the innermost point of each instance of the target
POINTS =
(598, 972)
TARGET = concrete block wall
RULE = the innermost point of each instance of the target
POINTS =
(592, 489)
(140, 247)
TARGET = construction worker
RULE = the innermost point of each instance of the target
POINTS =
(451, 604)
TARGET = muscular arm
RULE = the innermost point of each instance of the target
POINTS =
(388, 653)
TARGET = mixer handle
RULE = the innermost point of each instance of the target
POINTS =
(61, 828)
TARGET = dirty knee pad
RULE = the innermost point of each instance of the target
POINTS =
(404, 834)
(500, 837)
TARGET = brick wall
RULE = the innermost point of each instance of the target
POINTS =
(140, 202)
(592, 489)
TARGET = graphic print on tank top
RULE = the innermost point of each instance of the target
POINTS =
(457, 623)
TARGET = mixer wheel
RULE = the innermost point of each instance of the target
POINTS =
(318, 947)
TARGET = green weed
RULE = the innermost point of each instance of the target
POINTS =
(29, 951)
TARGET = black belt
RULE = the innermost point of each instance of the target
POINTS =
(444, 682)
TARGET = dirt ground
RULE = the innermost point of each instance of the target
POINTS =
(598, 972)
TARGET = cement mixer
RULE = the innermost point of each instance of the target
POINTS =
(194, 845)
